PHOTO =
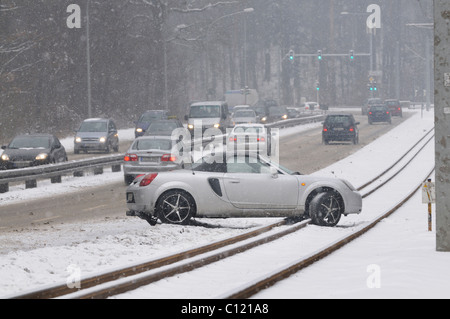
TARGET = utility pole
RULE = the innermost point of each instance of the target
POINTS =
(442, 122)
(88, 57)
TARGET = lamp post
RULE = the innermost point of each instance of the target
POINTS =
(88, 55)
(247, 10)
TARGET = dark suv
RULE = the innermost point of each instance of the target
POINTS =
(340, 127)
(379, 113)
(395, 107)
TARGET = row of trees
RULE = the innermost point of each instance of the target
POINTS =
(153, 54)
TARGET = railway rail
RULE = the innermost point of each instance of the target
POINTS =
(135, 276)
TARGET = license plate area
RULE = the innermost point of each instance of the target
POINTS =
(149, 159)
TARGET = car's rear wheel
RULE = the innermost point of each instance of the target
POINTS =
(326, 209)
(176, 207)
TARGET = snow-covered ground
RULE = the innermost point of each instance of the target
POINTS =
(397, 259)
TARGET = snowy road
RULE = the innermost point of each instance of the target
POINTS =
(402, 240)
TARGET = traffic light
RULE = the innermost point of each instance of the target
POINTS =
(319, 55)
(291, 55)
(317, 85)
(352, 55)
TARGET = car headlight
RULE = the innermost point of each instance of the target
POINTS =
(139, 130)
(191, 126)
(264, 119)
(216, 125)
(41, 157)
(102, 139)
(4, 157)
(285, 117)
(78, 140)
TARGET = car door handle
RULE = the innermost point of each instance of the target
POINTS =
(234, 181)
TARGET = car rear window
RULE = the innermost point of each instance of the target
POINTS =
(152, 144)
(344, 119)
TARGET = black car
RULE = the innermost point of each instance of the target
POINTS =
(148, 118)
(163, 127)
(340, 127)
(379, 113)
(32, 150)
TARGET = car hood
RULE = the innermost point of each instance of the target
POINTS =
(25, 153)
(92, 134)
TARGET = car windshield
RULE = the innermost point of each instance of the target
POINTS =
(93, 127)
(152, 144)
(205, 111)
(237, 164)
(26, 142)
(148, 117)
(244, 113)
(277, 111)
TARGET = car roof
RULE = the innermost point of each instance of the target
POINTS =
(208, 103)
(98, 119)
(154, 137)
(340, 114)
(35, 135)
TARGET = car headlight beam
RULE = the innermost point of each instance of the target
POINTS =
(5, 157)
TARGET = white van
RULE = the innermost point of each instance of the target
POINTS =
(211, 114)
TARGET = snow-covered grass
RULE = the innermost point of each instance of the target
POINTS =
(397, 259)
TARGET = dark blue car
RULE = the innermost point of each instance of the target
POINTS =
(146, 119)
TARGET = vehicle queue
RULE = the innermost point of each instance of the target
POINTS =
(165, 183)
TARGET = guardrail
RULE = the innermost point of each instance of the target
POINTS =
(54, 172)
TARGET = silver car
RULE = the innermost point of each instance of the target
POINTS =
(244, 116)
(150, 154)
(240, 186)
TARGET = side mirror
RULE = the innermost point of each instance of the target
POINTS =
(4, 147)
(357, 123)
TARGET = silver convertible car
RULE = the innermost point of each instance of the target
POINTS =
(247, 185)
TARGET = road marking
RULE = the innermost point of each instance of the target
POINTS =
(46, 219)
(93, 208)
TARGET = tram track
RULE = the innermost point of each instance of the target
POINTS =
(129, 278)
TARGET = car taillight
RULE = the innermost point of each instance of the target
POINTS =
(261, 139)
(387, 112)
(351, 129)
(399, 108)
(233, 139)
(325, 129)
(370, 112)
(130, 158)
(148, 179)
(168, 158)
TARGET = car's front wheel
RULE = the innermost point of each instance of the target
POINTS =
(326, 209)
(176, 207)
